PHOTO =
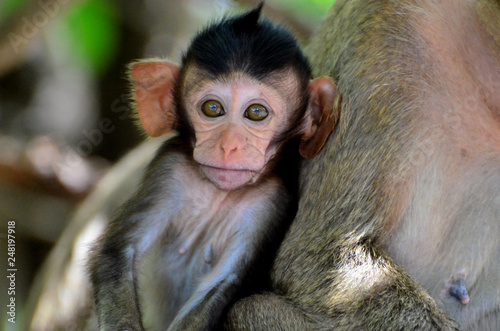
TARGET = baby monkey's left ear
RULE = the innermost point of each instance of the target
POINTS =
(321, 116)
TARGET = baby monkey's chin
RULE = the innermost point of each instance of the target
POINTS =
(228, 179)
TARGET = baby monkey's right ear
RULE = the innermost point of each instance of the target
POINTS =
(321, 116)
(153, 82)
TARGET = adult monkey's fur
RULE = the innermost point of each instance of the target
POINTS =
(403, 202)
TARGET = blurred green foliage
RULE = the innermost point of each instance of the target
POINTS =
(313, 9)
(9, 7)
(87, 30)
(90, 30)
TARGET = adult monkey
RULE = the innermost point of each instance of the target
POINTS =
(407, 191)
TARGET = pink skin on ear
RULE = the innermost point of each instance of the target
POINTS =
(153, 92)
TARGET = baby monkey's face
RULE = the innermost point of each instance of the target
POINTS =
(236, 121)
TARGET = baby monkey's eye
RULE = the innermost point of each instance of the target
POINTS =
(212, 108)
(256, 112)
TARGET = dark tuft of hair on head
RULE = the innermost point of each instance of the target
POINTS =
(248, 22)
(247, 43)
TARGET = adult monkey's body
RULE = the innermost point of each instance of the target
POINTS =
(407, 191)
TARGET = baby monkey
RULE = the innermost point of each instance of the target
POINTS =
(216, 200)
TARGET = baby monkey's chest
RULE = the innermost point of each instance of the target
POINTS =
(187, 252)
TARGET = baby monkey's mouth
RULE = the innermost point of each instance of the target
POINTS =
(228, 179)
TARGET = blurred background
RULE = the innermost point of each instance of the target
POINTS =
(64, 115)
